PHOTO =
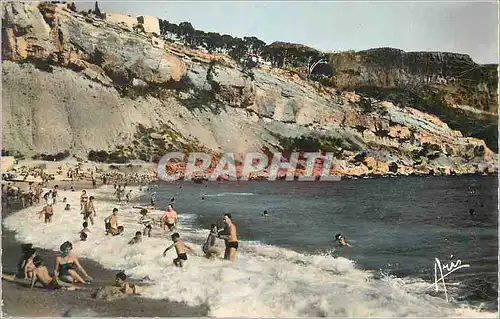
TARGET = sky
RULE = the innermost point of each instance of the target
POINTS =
(463, 27)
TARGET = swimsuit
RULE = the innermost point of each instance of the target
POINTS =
(87, 212)
(182, 256)
(48, 215)
(65, 268)
(232, 244)
(53, 284)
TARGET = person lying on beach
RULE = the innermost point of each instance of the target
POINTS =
(83, 200)
(68, 207)
(66, 266)
(122, 282)
(209, 246)
(136, 239)
(111, 223)
(180, 248)
(89, 211)
(169, 218)
(41, 274)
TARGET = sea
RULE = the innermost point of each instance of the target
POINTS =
(402, 233)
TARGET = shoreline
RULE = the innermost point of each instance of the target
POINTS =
(80, 303)
(149, 169)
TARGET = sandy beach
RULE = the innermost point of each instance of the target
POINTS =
(16, 295)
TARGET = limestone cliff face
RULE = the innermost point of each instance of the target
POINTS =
(79, 84)
(393, 68)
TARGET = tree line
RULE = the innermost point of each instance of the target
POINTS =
(249, 50)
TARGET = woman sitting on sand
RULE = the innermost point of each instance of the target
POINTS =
(41, 274)
(66, 266)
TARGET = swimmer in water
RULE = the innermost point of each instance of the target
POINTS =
(266, 213)
(136, 239)
(83, 236)
(341, 240)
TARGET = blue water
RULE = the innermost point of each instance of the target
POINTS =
(396, 226)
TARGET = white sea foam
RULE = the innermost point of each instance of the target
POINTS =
(265, 281)
(229, 194)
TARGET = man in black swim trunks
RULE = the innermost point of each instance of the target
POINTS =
(230, 237)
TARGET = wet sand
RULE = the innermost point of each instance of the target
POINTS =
(20, 301)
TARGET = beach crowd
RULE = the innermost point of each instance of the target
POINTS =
(68, 272)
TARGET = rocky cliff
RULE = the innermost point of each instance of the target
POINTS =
(80, 84)
(451, 86)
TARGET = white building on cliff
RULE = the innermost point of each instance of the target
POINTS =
(150, 24)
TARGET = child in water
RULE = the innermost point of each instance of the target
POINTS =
(122, 282)
(137, 238)
(146, 221)
(84, 231)
(180, 248)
